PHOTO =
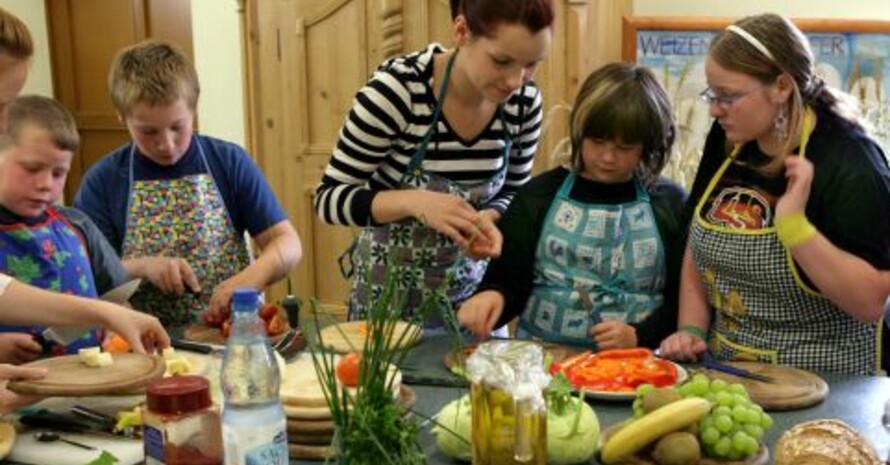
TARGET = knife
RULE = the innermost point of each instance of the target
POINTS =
(197, 347)
(712, 364)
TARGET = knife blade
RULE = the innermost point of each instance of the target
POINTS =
(712, 364)
(197, 347)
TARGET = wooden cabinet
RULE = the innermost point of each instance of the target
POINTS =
(307, 58)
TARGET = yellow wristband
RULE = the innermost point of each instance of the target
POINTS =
(794, 229)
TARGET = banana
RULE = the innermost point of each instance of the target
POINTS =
(646, 429)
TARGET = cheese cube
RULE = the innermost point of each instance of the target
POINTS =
(104, 359)
(169, 353)
(88, 355)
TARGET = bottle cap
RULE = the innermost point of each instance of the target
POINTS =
(178, 394)
(244, 299)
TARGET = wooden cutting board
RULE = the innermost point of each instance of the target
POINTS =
(67, 376)
(351, 335)
(793, 388)
(7, 438)
(309, 426)
(761, 458)
(199, 332)
(310, 439)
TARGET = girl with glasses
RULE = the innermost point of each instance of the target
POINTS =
(790, 213)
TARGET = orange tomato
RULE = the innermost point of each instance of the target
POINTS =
(276, 325)
(348, 368)
(116, 344)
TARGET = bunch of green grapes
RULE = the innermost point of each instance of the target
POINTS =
(735, 426)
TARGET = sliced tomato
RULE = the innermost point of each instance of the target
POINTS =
(276, 325)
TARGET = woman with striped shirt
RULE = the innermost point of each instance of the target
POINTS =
(432, 152)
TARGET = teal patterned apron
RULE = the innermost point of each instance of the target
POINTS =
(423, 259)
(763, 310)
(184, 218)
(613, 253)
(51, 255)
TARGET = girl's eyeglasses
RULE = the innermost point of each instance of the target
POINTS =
(711, 97)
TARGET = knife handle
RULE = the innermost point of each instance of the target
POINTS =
(190, 346)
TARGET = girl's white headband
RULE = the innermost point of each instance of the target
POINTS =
(751, 40)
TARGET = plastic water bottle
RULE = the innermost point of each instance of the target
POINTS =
(253, 422)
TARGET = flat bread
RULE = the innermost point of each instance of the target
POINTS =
(351, 336)
(7, 438)
(300, 386)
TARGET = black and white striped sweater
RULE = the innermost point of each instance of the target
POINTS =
(389, 118)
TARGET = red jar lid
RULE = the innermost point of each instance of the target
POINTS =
(178, 395)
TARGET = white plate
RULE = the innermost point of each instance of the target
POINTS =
(682, 375)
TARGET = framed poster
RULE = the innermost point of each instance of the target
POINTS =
(851, 55)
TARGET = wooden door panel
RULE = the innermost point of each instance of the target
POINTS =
(84, 37)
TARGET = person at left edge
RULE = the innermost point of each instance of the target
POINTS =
(41, 244)
(432, 152)
(176, 204)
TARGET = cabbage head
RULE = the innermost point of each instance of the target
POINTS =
(572, 436)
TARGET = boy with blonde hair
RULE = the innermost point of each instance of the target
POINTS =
(175, 204)
(47, 246)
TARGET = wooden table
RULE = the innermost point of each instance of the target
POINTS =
(857, 400)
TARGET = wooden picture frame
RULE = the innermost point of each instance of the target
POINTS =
(852, 55)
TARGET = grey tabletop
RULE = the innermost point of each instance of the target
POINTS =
(857, 400)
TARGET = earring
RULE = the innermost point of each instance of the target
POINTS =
(780, 126)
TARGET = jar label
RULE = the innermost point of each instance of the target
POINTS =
(153, 440)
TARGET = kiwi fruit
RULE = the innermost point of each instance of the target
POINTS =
(659, 397)
(677, 448)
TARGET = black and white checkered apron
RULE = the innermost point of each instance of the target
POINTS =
(763, 310)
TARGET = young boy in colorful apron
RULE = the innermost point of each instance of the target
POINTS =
(50, 247)
(432, 153)
(588, 247)
(176, 204)
(780, 265)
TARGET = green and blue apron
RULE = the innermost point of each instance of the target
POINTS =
(185, 218)
(422, 259)
(50, 255)
(763, 310)
(613, 253)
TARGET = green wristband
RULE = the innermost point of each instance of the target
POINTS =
(695, 331)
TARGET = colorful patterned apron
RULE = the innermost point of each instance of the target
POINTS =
(613, 253)
(51, 255)
(184, 218)
(763, 310)
(421, 259)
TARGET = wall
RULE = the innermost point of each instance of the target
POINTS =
(33, 13)
(852, 9)
(217, 47)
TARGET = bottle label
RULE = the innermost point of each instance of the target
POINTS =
(260, 445)
(153, 440)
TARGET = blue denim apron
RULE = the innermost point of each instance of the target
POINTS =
(613, 253)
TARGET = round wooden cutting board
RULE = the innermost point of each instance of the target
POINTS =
(351, 335)
(793, 388)
(7, 438)
(761, 458)
(67, 376)
(304, 452)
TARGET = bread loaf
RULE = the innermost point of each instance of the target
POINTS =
(824, 442)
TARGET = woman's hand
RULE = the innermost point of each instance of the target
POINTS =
(799, 172)
(614, 335)
(683, 346)
(9, 400)
(480, 312)
(450, 215)
(169, 274)
(18, 348)
(487, 240)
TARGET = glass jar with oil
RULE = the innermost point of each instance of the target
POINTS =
(508, 408)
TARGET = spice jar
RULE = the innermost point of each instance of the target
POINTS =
(181, 424)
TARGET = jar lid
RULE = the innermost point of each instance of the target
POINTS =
(178, 394)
